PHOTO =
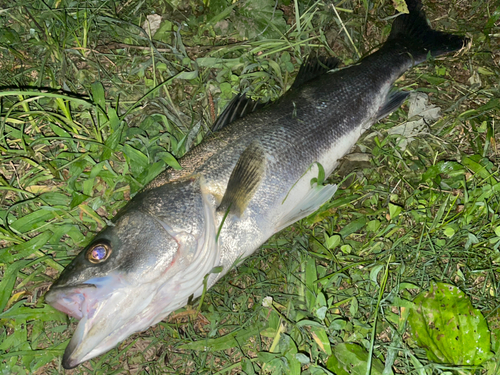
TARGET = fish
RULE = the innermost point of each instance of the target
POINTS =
(257, 173)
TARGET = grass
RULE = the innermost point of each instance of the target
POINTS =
(92, 108)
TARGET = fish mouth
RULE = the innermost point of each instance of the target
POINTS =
(109, 311)
(69, 299)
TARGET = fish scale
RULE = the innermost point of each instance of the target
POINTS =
(255, 175)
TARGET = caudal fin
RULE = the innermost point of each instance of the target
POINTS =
(413, 31)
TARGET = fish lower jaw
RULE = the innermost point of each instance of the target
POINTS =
(107, 343)
(81, 347)
(89, 341)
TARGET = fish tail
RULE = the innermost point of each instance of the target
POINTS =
(414, 33)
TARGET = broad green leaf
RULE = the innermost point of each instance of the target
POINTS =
(21, 312)
(485, 71)
(274, 366)
(170, 160)
(449, 231)
(151, 172)
(277, 70)
(56, 352)
(338, 324)
(321, 312)
(373, 225)
(321, 338)
(287, 345)
(136, 159)
(433, 80)
(163, 34)
(33, 220)
(77, 198)
(75, 169)
(8, 281)
(401, 6)
(353, 227)
(17, 339)
(231, 340)
(247, 366)
(394, 210)
(55, 199)
(302, 358)
(321, 175)
(420, 368)
(114, 120)
(354, 307)
(97, 90)
(311, 283)
(375, 271)
(25, 249)
(444, 323)
(223, 9)
(98, 97)
(267, 357)
(474, 164)
(88, 184)
(333, 241)
(450, 168)
(69, 230)
(9, 36)
(293, 364)
(187, 75)
(352, 359)
(111, 144)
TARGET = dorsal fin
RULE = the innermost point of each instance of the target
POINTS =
(238, 107)
(314, 67)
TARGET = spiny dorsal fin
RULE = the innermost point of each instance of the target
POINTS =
(313, 67)
(392, 102)
(238, 107)
(244, 180)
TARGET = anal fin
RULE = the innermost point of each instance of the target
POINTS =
(245, 179)
(392, 102)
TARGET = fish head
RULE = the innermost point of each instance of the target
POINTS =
(123, 282)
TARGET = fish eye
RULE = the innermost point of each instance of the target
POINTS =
(98, 252)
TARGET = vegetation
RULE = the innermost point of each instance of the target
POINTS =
(99, 96)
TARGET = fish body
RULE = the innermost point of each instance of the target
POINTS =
(254, 176)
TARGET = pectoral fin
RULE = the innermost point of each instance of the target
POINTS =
(245, 179)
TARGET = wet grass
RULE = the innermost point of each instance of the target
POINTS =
(92, 109)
